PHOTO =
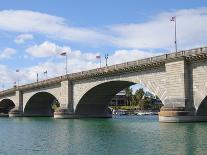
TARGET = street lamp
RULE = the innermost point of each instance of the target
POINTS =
(66, 61)
(106, 58)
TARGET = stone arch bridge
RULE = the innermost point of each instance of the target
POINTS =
(178, 79)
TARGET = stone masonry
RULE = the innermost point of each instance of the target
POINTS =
(178, 79)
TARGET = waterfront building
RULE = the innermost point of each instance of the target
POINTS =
(119, 99)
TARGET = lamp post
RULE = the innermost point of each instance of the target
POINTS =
(66, 61)
(106, 58)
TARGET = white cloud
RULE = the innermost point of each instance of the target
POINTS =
(159, 31)
(7, 53)
(46, 49)
(20, 39)
(25, 21)
(7, 77)
(121, 56)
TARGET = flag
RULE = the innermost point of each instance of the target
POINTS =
(173, 18)
(63, 54)
(98, 57)
(17, 70)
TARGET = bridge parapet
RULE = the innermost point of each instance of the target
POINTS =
(7, 92)
(147, 63)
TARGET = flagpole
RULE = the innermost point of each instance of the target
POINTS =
(17, 71)
(173, 19)
(99, 57)
(66, 61)
(66, 67)
(37, 77)
(176, 48)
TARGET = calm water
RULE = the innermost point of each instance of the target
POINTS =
(142, 135)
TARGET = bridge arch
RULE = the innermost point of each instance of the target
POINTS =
(6, 105)
(199, 98)
(202, 109)
(41, 104)
(95, 100)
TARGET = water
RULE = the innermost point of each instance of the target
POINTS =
(127, 135)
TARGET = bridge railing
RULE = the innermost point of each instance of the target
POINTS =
(158, 58)
(164, 57)
(8, 91)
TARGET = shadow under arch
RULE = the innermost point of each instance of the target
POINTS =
(94, 103)
(202, 109)
(41, 104)
(6, 105)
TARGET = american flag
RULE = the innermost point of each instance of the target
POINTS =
(63, 54)
(173, 18)
(98, 57)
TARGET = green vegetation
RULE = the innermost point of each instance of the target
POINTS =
(140, 100)
(128, 92)
(55, 105)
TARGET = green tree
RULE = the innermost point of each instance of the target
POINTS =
(55, 105)
(128, 93)
(137, 96)
(145, 103)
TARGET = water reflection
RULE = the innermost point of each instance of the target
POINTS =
(184, 138)
(120, 135)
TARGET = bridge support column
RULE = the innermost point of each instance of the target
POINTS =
(66, 101)
(18, 110)
(178, 106)
(176, 114)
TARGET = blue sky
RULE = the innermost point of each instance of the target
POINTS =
(33, 33)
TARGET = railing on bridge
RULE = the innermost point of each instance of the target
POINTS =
(160, 58)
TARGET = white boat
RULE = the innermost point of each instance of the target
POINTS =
(119, 112)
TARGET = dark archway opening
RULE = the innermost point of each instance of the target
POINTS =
(41, 104)
(96, 102)
(202, 109)
(6, 105)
